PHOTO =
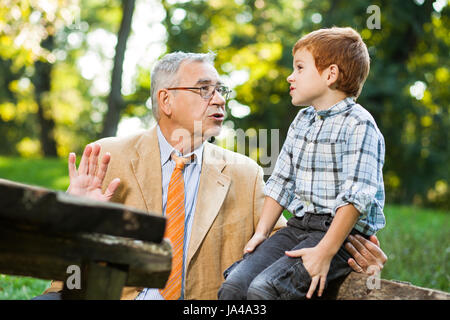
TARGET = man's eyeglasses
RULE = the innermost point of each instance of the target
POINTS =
(207, 91)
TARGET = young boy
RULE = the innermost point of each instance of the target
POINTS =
(328, 174)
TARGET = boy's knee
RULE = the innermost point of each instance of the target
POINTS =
(261, 288)
(232, 289)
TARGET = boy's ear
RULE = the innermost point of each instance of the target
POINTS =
(332, 74)
(164, 102)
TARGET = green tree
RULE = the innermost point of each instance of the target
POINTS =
(47, 105)
(28, 45)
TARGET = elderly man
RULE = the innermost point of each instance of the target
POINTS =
(210, 196)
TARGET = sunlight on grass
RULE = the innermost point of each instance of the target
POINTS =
(21, 288)
(49, 173)
(417, 243)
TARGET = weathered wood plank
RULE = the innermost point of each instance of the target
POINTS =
(47, 255)
(356, 287)
(44, 232)
(41, 208)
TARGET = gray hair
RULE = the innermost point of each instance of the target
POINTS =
(165, 70)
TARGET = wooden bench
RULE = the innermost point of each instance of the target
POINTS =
(43, 233)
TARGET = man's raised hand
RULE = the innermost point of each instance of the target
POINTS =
(88, 180)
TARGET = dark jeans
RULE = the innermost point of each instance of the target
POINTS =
(267, 273)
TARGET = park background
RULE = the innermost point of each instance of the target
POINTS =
(73, 71)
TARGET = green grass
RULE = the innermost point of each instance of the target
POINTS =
(417, 243)
(21, 288)
(49, 173)
(416, 240)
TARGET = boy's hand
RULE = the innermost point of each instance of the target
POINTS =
(317, 262)
(87, 181)
(255, 241)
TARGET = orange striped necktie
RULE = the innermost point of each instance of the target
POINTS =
(175, 228)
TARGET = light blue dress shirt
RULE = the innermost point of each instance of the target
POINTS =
(191, 176)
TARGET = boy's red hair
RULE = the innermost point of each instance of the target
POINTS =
(343, 47)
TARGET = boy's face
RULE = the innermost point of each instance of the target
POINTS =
(307, 85)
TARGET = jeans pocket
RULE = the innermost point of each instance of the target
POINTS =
(294, 283)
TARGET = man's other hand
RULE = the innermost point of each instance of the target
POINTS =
(367, 255)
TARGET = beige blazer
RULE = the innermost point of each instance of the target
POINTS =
(228, 206)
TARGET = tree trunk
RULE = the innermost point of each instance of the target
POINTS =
(115, 100)
(41, 81)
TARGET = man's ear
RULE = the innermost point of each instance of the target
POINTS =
(332, 75)
(164, 102)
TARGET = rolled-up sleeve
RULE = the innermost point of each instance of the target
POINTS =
(363, 160)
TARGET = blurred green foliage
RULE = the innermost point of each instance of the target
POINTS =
(407, 89)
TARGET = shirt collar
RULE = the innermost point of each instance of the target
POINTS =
(339, 107)
(166, 150)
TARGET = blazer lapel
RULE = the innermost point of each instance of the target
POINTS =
(212, 191)
(147, 170)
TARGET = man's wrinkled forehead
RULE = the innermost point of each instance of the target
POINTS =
(206, 81)
(199, 73)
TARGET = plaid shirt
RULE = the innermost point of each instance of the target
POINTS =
(332, 158)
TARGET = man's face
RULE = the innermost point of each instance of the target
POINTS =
(189, 108)
(306, 83)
